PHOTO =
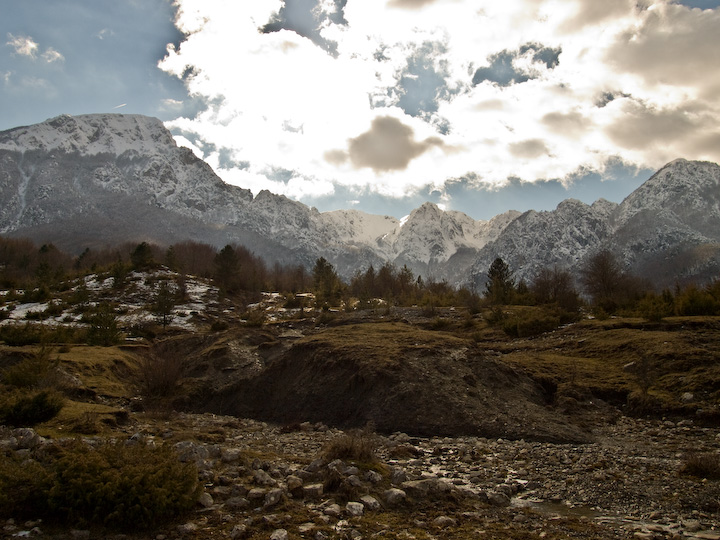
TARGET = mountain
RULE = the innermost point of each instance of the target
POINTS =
(97, 180)
(94, 180)
(667, 230)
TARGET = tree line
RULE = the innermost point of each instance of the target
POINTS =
(600, 285)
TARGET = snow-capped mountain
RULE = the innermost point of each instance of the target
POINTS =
(666, 230)
(101, 179)
(96, 180)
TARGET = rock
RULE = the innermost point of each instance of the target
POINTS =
(708, 535)
(230, 455)
(206, 500)
(373, 477)
(279, 534)
(256, 493)
(273, 497)
(370, 502)
(692, 525)
(27, 438)
(237, 503)
(445, 521)
(355, 508)
(419, 489)
(313, 491)
(238, 531)
(187, 528)
(189, 451)
(497, 498)
(294, 483)
(394, 496)
(79, 534)
(398, 476)
(264, 479)
(333, 510)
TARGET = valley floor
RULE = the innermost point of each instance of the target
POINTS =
(266, 481)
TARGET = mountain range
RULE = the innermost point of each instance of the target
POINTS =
(98, 180)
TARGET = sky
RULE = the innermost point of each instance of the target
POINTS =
(380, 105)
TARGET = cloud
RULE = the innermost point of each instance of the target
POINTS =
(389, 145)
(530, 149)
(23, 45)
(568, 124)
(409, 4)
(425, 91)
(51, 55)
(672, 46)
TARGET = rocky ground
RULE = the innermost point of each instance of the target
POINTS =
(272, 482)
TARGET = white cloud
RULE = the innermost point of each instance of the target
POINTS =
(51, 55)
(633, 81)
(23, 45)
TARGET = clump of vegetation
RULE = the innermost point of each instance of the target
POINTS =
(702, 465)
(159, 377)
(37, 370)
(28, 409)
(104, 330)
(355, 445)
(114, 485)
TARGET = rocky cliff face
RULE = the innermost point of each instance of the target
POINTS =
(95, 180)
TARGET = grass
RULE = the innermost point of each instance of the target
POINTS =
(381, 342)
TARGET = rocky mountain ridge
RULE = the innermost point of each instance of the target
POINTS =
(95, 180)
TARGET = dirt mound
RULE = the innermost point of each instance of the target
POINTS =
(400, 378)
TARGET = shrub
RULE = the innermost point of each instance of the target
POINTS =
(356, 445)
(159, 376)
(254, 319)
(219, 326)
(121, 486)
(531, 325)
(32, 372)
(702, 465)
(23, 488)
(114, 485)
(31, 409)
(104, 327)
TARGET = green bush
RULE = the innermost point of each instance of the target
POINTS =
(532, 325)
(27, 410)
(32, 372)
(104, 329)
(121, 486)
(18, 335)
(23, 488)
(116, 486)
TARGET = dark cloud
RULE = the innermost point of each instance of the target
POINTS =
(423, 81)
(642, 126)
(410, 4)
(674, 45)
(591, 12)
(502, 70)
(608, 97)
(569, 124)
(307, 18)
(389, 145)
(529, 149)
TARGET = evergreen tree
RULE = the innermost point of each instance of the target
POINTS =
(500, 287)
(164, 304)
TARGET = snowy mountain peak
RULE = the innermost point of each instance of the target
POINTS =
(91, 134)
